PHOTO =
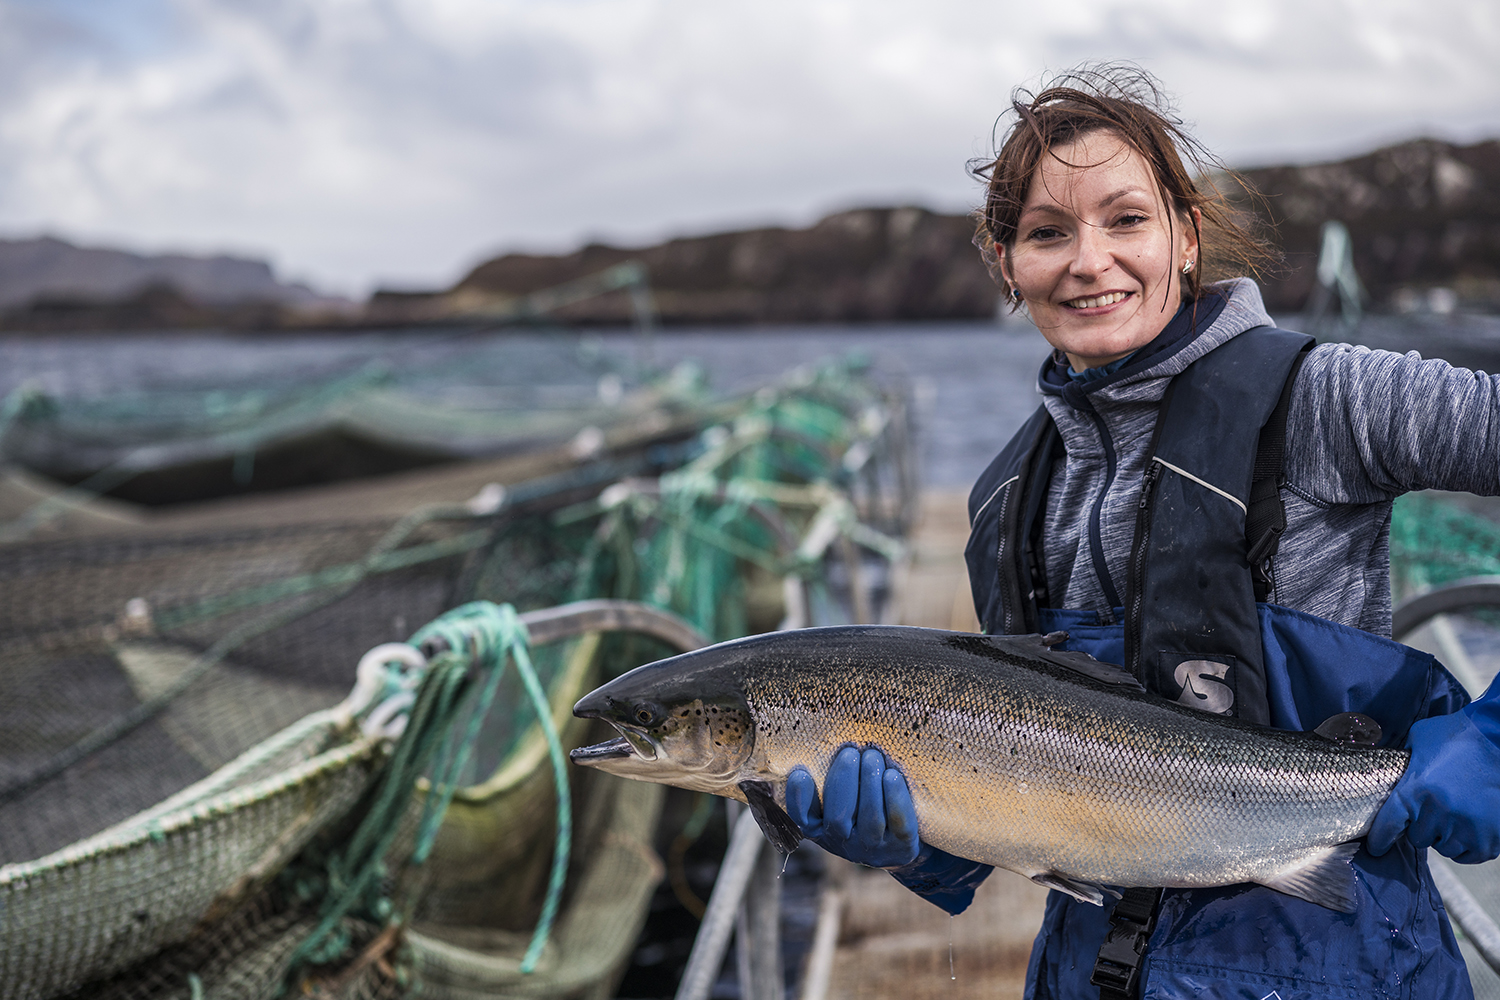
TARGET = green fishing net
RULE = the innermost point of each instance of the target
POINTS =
(178, 779)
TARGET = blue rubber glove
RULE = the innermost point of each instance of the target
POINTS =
(1449, 797)
(867, 817)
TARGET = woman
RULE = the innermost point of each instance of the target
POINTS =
(1206, 500)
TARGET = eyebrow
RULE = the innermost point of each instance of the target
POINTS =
(1115, 196)
(1051, 208)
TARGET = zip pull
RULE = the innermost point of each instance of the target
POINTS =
(1148, 483)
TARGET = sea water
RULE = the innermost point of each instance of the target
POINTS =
(971, 383)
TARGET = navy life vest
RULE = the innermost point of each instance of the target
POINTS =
(1191, 628)
(1196, 629)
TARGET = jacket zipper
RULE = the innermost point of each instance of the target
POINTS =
(1135, 612)
(1096, 535)
(1010, 594)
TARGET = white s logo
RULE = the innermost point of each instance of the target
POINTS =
(1203, 687)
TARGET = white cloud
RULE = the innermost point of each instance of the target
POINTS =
(355, 141)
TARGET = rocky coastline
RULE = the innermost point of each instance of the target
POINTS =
(1424, 216)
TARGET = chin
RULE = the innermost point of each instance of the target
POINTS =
(1105, 347)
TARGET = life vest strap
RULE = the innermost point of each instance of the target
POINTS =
(1117, 969)
(1265, 519)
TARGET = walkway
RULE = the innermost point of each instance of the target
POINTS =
(895, 944)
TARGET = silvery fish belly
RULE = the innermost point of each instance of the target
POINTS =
(1045, 762)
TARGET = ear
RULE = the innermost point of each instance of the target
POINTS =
(1003, 255)
(1191, 250)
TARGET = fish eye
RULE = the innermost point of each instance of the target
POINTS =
(644, 714)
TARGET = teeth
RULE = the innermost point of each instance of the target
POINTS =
(1103, 300)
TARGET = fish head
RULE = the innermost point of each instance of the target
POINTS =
(676, 728)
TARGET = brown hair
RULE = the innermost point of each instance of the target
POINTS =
(1123, 99)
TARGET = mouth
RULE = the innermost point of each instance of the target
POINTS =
(628, 744)
(1097, 303)
(614, 749)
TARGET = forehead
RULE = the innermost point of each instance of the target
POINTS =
(1087, 172)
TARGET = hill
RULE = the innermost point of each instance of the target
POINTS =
(1422, 214)
(50, 284)
(870, 264)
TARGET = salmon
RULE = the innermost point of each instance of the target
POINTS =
(1045, 762)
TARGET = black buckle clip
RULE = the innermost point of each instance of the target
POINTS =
(1117, 969)
(1118, 966)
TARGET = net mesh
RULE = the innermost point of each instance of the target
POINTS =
(176, 772)
(1436, 541)
(139, 426)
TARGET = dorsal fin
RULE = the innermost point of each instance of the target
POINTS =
(1081, 663)
(1350, 728)
(1042, 647)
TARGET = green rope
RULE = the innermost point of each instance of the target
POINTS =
(564, 843)
(482, 633)
(351, 874)
(487, 632)
(444, 726)
(687, 546)
(26, 398)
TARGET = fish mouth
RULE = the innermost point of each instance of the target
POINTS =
(597, 706)
(615, 749)
(629, 743)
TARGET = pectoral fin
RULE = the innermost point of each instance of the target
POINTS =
(779, 828)
(1327, 878)
(1084, 892)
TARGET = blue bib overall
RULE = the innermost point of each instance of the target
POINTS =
(1192, 631)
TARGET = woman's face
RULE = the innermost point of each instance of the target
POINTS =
(1097, 255)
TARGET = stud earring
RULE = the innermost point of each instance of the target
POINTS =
(1187, 267)
(1015, 294)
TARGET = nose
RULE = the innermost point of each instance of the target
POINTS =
(1090, 254)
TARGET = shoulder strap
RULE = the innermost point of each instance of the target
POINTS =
(1265, 519)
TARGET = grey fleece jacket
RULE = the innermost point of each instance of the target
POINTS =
(1364, 427)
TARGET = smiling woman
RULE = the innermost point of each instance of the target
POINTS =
(1093, 222)
(1206, 500)
(1098, 253)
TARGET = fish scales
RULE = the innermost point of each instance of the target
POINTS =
(1016, 758)
(1048, 774)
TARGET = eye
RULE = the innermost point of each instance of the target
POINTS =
(1043, 234)
(1130, 219)
(644, 715)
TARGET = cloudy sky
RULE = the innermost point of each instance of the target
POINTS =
(356, 143)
